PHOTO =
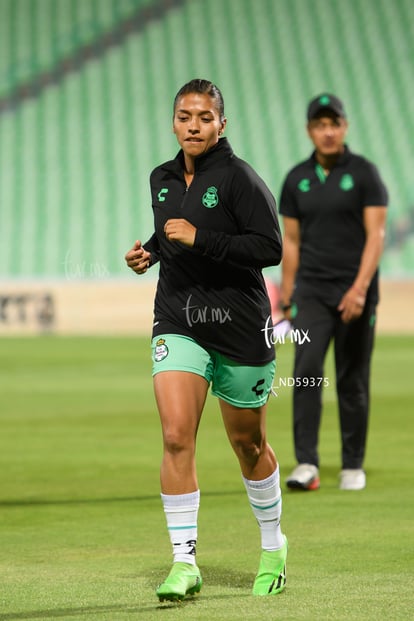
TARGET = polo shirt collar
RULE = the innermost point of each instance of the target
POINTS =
(342, 160)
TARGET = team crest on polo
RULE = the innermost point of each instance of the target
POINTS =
(210, 197)
(346, 183)
(161, 350)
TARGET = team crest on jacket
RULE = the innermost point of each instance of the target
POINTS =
(160, 351)
(210, 197)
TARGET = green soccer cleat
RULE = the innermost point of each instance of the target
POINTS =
(183, 579)
(271, 577)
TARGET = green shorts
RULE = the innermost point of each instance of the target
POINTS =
(240, 385)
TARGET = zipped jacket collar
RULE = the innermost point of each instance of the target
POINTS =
(220, 151)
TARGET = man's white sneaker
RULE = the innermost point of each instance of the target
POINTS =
(352, 479)
(305, 477)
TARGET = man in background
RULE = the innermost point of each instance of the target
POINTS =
(334, 209)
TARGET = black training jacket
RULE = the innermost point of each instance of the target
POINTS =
(215, 292)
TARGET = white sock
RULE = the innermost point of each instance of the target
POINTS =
(181, 512)
(265, 498)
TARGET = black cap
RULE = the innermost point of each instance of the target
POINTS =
(325, 102)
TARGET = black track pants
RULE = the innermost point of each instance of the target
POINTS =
(353, 344)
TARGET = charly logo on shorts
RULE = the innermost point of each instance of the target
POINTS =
(210, 197)
(161, 350)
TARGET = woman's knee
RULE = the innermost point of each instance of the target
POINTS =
(248, 448)
(177, 442)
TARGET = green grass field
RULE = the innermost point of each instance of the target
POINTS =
(82, 532)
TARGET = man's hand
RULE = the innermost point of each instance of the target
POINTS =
(138, 259)
(352, 304)
(178, 229)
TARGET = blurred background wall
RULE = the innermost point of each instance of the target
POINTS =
(86, 91)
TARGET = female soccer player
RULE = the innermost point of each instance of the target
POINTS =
(215, 229)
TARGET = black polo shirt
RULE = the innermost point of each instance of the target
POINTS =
(215, 291)
(330, 211)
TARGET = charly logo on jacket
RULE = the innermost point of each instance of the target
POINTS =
(346, 183)
(161, 193)
(210, 197)
(160, 351)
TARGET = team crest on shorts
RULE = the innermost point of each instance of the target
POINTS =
(161, 350)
